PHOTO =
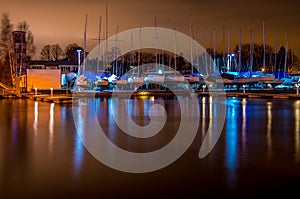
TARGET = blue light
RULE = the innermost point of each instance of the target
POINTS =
(231, 143)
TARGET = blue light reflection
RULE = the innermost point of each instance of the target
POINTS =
(231, 140)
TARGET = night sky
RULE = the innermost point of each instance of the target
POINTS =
(62, 21)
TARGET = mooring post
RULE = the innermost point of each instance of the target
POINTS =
(203, 88)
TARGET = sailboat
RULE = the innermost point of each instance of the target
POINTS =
(287, 79)
(232, 75)
(117, 80)
(191, 78)
(81, 80)
(265, 78)
(252, 77)
(174, 77)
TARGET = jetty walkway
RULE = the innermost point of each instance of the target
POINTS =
(62, 97)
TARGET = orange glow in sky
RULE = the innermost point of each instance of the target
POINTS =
(62, 21)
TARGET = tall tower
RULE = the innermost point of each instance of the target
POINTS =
(19, 44)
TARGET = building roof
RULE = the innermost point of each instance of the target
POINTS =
(51, 63)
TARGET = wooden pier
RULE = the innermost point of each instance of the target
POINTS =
(58, 99)
(71, 98)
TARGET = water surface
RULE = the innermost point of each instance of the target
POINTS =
(258, 153)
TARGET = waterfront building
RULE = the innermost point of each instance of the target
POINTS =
(64, 66)
(50, 74)
(36, 74)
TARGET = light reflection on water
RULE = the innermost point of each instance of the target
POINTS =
(78, 155)
(36, 118)
(51, 127)
(269, 128)
(39, 141)
(244, 125)
(297, 129)
(203, 116)
(231, 141)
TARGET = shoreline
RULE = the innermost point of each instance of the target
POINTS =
(66, 97)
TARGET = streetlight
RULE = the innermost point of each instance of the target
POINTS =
(230, 59)
(244, 88)
(78, 53)
(51, 92)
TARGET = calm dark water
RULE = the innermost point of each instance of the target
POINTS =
(258, 153)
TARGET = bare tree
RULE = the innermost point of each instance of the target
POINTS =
(52, 53)
(5, 44)
(46, 53)
(5, 36)
(56, 52)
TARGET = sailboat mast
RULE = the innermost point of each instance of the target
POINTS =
(264, 46)
(212, 68)
(139, 51)
(275, 52)
(285, 56)
(115, 66)
(197, 54)
(106, 36)
(191, 45)
(215, 47)
(251, 51)
(84, 53)
(131, 49)
(223, 38)
(228, 50)
(123, 63)
(205, 56)
(175, 47)
(228, 41)
(156, 39)
(99, 40)
(240, 50)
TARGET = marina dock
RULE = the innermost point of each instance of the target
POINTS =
(261, 94)
(58, 99)
(63, 97)
(70, 98)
